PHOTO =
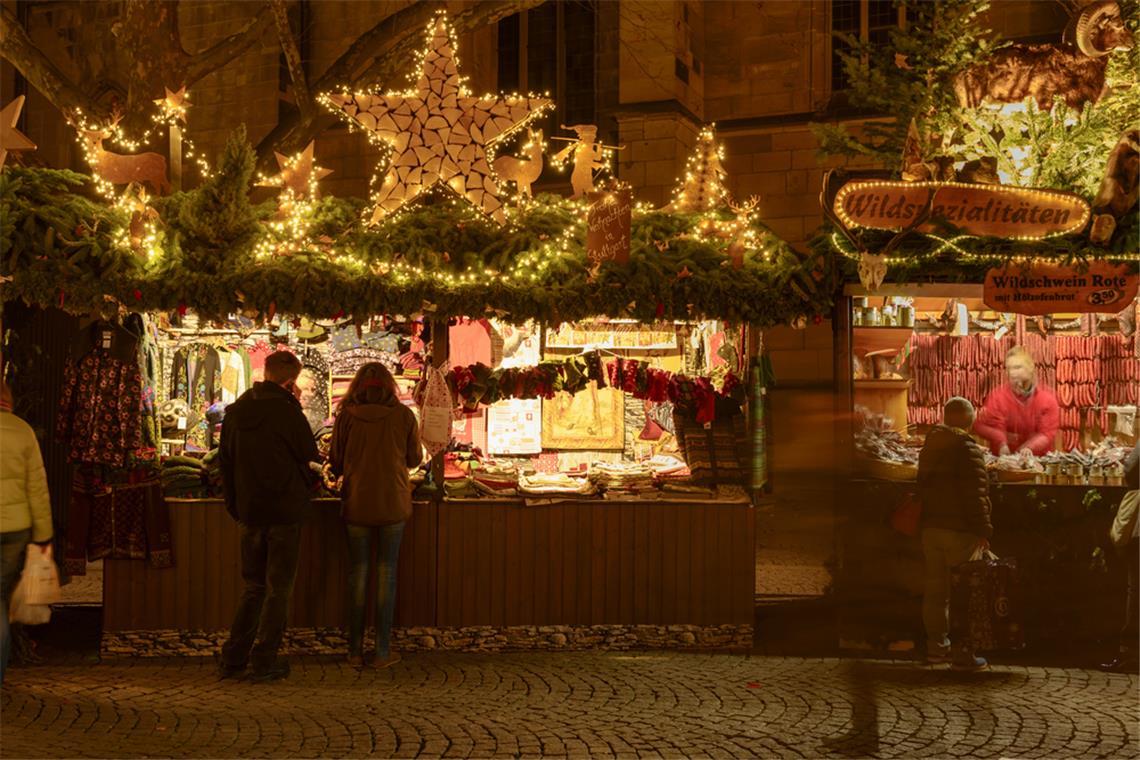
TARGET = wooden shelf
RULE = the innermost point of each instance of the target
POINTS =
(867, 339)
(889, 385)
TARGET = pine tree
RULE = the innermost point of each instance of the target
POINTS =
(702, 188)
(908, 77)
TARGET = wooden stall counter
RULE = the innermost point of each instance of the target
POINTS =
(495, 564)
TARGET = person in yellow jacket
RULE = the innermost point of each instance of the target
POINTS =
(25, 509)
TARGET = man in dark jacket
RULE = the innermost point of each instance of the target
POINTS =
(265, 454)
(955, 494)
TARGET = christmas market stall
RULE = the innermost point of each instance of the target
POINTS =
(997, 261)
(584, 370)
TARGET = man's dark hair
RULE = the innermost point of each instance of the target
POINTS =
(282, 367)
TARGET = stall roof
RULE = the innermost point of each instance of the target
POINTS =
(213, 251)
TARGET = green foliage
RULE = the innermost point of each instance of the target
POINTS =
(909, 77)
(414, 262)
(218, 213)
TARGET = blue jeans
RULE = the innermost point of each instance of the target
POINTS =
(361, 539)
(12, 546)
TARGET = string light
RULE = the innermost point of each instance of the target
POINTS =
(839, 205)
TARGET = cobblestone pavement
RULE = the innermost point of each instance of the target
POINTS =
(574, 704)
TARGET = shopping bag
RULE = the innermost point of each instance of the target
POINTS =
(906, 516)
(19, 611)
(985, 604)
(39, 580)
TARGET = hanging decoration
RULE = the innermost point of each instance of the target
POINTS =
(12, 139)
(298, 180)
(436, 407)
(438, 133)
(478, 384)
(588, 155)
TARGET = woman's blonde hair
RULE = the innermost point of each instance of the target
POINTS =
(1020, 352)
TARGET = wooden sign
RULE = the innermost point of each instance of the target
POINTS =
(608, 227)
(985, 210)
(1047, 289)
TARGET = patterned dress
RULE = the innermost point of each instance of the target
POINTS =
(100, 410)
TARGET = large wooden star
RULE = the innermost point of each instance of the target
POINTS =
(439, 133)
(10, 137)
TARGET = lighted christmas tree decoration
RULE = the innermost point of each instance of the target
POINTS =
(298, 182)
(12, 139)
(438, 133)
(702, 187)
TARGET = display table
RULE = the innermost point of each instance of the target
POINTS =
(497, 563)
(1072, 581)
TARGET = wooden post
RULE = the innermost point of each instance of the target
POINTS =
(176, 157)
(440, 349)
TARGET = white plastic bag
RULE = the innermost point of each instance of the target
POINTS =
(38, 588)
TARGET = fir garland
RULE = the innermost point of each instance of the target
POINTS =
(60, 249)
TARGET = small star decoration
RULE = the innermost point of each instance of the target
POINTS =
(297, 172)
(11, 139)
(439, 133)
(175, 102)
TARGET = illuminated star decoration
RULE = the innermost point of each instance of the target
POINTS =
(11, 139)
(439, 132)
(298, 173)
(175, 103)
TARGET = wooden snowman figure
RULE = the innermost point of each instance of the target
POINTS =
(588, 157)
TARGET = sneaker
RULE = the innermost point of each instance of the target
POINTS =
(230, 671)
(387, 661)
(970, 664)
(274, 672)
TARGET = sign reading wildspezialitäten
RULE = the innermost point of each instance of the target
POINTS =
(1045, 289)
(974, 209)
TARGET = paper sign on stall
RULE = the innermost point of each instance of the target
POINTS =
(1046, 289)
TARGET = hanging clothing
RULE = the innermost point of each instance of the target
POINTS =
(120, 521)
(100, 410)
(197, 379)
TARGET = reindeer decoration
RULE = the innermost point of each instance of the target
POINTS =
(1118, 190)
(523, 170)
(123, 169)
(740, 228)
(1073, 70)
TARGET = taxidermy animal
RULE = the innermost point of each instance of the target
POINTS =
(1072, 70)
(1118, 190)
(523, 170)
(123, 169)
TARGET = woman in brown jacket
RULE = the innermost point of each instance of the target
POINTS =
(375, 441)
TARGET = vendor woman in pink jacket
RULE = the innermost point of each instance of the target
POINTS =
(1021, 415)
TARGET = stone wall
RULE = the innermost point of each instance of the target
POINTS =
(331, 641)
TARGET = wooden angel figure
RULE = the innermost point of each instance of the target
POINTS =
(523, 170)
(588, 155)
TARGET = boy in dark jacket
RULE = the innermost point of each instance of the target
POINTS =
(955, 494)
(265, 452)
